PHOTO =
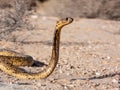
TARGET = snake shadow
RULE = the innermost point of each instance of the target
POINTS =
(38, 64)
(98, 77)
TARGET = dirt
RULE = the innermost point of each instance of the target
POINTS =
(89, 48)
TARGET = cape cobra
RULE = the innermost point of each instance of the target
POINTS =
(10, 60)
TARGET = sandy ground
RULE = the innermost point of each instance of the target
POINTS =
(89, 47)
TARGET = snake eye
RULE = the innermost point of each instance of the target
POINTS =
(67, 19)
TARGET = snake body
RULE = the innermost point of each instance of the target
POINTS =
(10, 60)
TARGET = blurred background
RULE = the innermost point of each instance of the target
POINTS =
(105, 9)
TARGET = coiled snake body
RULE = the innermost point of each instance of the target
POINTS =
(10, 60)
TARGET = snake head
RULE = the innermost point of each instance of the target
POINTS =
(63, 22)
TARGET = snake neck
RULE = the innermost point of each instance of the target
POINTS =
(54, 57)
(55, 53)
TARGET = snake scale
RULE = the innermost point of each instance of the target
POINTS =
(11, 60)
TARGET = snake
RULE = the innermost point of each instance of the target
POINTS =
(10, 61)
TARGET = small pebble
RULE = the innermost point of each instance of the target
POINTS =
(115, 81)
(108, 57)
(34, 16)
(98, 74)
